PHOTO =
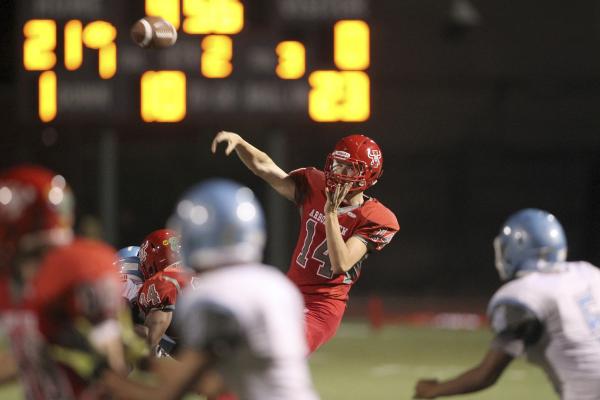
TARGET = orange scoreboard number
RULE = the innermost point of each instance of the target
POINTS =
(39, 54)
(341, 93)
(163, 96)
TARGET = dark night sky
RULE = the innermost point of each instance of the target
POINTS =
(474, 124)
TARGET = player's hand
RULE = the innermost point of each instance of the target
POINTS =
(232, 140)
(426, 389)
(335, 199)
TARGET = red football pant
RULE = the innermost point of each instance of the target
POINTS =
(322, 319)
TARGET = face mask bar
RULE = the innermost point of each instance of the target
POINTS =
(339, 170)
(499, 259)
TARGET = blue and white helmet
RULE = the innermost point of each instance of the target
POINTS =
(221, 223)
(128, 262)
(529, 240)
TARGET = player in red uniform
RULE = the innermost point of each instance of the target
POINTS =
(164, 278)
(339, 224)
(59, 296)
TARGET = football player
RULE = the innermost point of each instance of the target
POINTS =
(548, 310)
(128, 265)
(239, 317)
(164, 279)
(340, 225)
(59, 295)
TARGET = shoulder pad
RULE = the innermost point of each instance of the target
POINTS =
(513, 320)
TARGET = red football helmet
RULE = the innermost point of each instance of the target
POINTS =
(355, 159)
(36, 209)
(160, 249)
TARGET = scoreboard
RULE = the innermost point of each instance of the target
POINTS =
(282, 59)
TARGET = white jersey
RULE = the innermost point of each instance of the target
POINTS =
(566, 300)
(131, 285)
(255, 313)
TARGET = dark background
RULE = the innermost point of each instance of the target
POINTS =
(475, 122)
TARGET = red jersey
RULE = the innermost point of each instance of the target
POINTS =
(310, 268)
(160, 292)
(40, 378)
(72, 283)
(75, 281)
(325, 295)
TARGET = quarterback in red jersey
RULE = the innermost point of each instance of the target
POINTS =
(59, 296)
(339, 224)
(164, 278)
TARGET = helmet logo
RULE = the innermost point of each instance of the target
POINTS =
(143, 250)
(173, 242)
(375, 156)
(341, 154)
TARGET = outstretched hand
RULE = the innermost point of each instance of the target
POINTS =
(232, 140)
(334, 200)
(425, 389)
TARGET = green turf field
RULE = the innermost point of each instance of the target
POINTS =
(363, 365)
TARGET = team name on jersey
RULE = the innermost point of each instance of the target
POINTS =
(320, 217)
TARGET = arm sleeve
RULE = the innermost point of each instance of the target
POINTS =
(516, 327)
(375, 235)
(210, 327)
(168, 296)
(301, 180)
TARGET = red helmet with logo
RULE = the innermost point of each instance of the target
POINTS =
(36, 209)
(160, 249)
(356, 159)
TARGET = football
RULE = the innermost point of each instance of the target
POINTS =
(153, 32)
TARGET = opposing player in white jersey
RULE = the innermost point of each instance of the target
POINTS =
(240, 319)
(549, 311)
(132, 279)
